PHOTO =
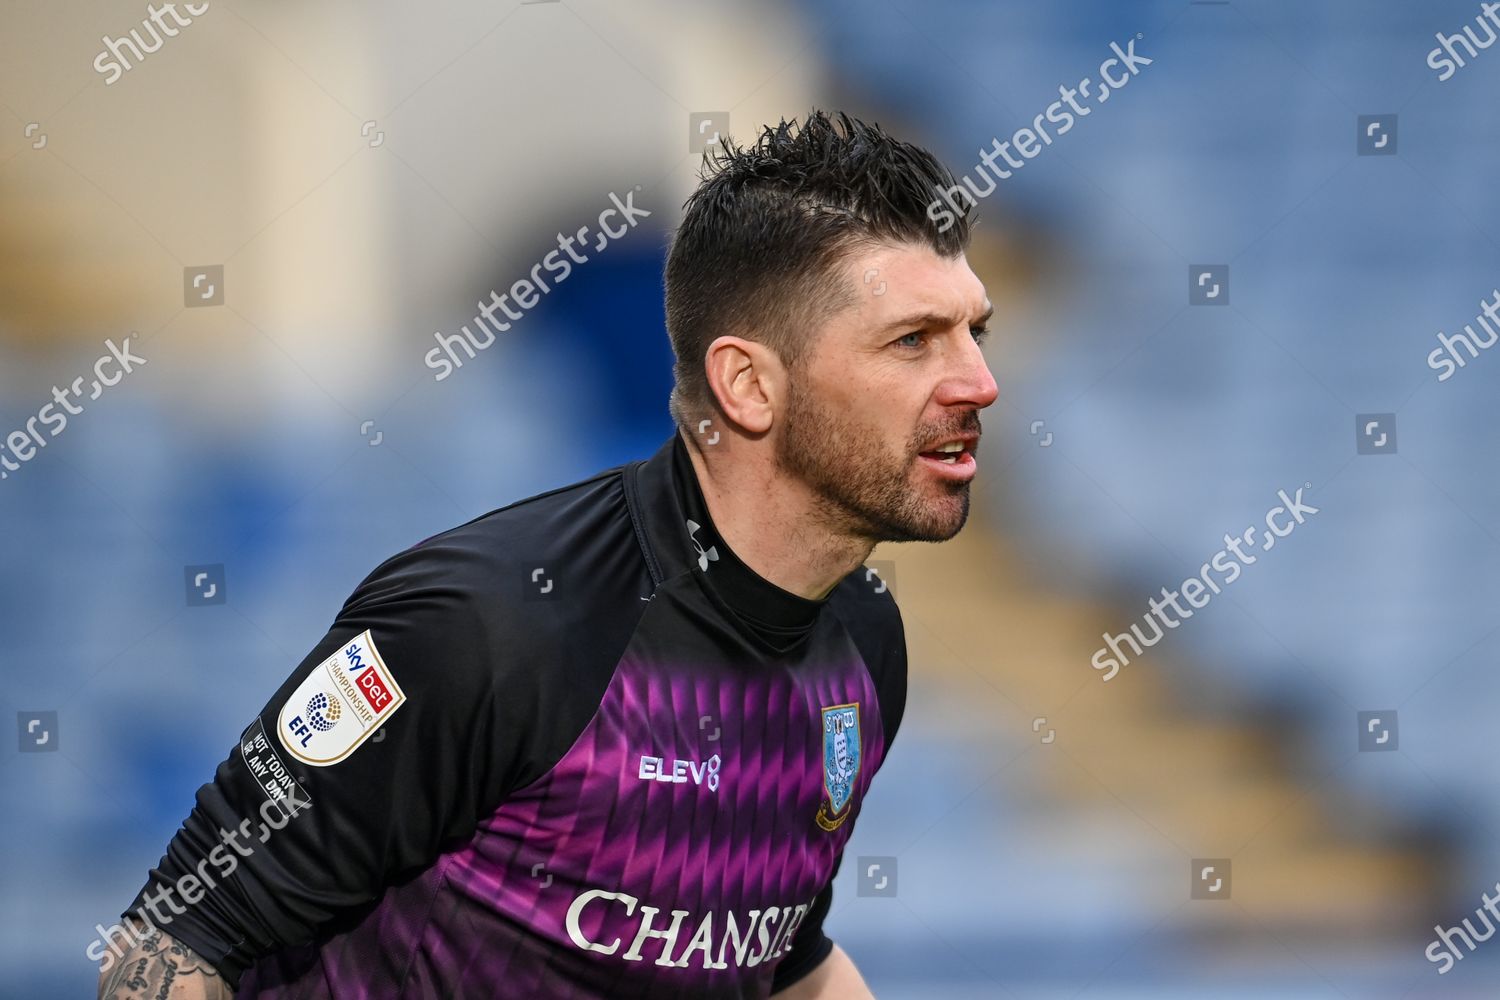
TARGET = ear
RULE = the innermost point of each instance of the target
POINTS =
(748, 380)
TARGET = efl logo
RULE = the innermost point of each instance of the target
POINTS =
(340, 704)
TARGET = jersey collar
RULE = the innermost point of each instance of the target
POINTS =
(679, 536)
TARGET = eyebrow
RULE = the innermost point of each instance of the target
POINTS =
(922, 320)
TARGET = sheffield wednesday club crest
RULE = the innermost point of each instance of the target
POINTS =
(841, 757)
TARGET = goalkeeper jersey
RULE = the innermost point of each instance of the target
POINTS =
(573, 748)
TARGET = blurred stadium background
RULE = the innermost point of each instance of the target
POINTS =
(365, 173)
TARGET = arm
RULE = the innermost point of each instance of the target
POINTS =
(417, 628)
(160, 967)
(835, 978)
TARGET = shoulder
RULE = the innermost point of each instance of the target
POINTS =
(523, 611)
(497, 562)
(866, 604)
(867, 607)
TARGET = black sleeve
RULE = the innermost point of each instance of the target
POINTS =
(387, 742)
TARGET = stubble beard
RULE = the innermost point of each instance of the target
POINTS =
(866, 490)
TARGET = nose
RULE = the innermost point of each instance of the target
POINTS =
(971, 383)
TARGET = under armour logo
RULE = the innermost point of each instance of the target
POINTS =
(704, 557)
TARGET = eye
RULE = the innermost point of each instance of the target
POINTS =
(979, 333)
(903, 338)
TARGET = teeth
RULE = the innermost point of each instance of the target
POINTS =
(953, 449)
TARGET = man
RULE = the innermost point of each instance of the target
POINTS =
(610, 741)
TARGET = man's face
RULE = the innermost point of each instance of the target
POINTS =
(885, 383)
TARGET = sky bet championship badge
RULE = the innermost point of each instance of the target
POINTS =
(840, 763)
(340, 705)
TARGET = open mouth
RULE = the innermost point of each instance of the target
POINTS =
(952, 453)
(952, 459)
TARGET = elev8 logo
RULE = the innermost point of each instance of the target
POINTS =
(681, 771)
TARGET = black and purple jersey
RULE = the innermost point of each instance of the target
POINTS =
(573, 748)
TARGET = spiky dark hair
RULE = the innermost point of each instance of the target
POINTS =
(758, 251)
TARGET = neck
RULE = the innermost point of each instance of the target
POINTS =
(772, 522)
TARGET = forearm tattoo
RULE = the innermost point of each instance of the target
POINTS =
(161, 968)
